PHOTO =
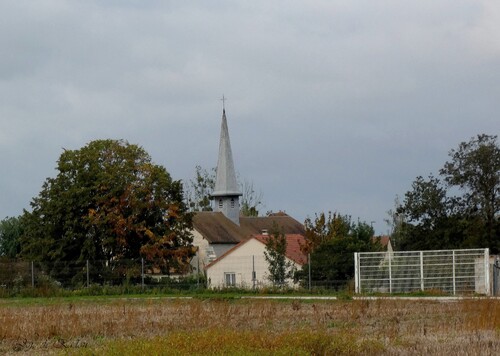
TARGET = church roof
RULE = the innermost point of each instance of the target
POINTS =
(218, 229)
(225, 181)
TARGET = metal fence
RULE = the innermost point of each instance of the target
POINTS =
(84, 274)
(450, 271)
(241, 272)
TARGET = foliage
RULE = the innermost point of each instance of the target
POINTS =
(280, 268)
(323, 229)
(331, 242)
(250, 199)
(108, 203)
(475, 168)
(199, 189)
(10, 231)
(460, 210)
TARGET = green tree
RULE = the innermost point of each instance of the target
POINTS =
(429, 217)
(199, 189)
(331, 241)
(280, 268)
(109, 203)
(461, 209)
(250, 199)
(475, 168)
(324, 228)
(11, 229)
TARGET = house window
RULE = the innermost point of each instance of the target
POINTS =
(230, 278)
(220, 203)
(232, 202)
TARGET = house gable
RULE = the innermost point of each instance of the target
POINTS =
(245, 265)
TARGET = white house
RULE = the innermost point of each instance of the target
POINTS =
(244, 266)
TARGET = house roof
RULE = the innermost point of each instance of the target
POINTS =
(257, 224)
(293, 243)
(383, 239)
(218, 229)
(293, 251)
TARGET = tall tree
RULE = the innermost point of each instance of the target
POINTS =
(11, 230)
(460, 210)
(324, 228)
(280, 268)
(109, 203)
(430, 219)
(475, 168)
(250, 199)
(199, 189)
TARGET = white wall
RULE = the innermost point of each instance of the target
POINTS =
(242, 261)
(204, 255)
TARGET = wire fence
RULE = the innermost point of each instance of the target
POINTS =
(449, 271)
(85, 274)
(249, 272)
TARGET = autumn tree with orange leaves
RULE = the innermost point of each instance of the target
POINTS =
(109, 203)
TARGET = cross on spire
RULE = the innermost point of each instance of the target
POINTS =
(223, 102)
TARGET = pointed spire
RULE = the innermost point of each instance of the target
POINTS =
(226, 193)
(225, 182)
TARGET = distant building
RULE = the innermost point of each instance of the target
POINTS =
(385, 242)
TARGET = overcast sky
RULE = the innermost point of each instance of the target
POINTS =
(332, 105)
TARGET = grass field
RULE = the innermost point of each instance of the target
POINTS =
(213, 326)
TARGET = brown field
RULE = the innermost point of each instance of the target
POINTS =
(246, 327)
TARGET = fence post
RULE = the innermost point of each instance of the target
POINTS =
(390, 274)
(487, 271)
(254, 275)
(198, 271)
(88, 274)
(356, 272)
(32, 275)
(309, 263)
(142, 273)
(496, 272)
(422, 287)
(454, 279)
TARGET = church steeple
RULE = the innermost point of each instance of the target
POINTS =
(226, 194)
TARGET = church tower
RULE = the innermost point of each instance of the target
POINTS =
(226, 195)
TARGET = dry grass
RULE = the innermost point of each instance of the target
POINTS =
(164, 326)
